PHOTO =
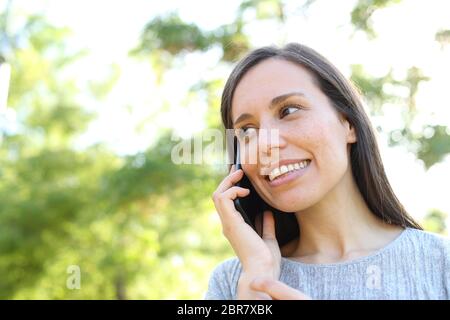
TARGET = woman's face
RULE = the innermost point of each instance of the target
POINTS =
(312, 140)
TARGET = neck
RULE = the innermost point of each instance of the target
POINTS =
(341, 226)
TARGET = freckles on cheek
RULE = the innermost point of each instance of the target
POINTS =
(332, 149)
(323, 144)
(316, 139)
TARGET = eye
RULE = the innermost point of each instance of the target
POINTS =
(245, 133)
(287, 110)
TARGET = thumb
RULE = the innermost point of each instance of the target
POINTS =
(269, 226)
(277, 289)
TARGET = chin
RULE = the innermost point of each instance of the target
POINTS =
(293, 202)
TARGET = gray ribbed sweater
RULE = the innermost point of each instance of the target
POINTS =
(416, 265)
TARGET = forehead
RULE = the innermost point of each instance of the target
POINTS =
(269, 79)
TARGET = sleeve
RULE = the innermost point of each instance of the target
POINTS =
(440, 250)
(223, 281)
(446, 271)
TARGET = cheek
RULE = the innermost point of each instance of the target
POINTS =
(326, 143)
(248, 154)
(331, 160)
(250, 160)
(251, 171)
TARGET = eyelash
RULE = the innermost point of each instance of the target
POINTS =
(287, 106)
(290, 106)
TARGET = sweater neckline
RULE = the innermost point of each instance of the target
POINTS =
(387, 247)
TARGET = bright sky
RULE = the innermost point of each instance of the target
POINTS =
(111, 28)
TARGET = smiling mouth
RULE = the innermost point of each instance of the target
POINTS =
(284, 170)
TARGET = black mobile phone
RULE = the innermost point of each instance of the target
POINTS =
(252, 205)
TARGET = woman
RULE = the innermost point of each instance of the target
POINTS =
(356, 240)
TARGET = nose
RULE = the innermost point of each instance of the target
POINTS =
(268, 138)
(269, 143)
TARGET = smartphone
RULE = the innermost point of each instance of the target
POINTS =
(252, 205)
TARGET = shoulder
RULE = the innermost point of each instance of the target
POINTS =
(228, 269)
(223, 280)
(427, 239)
(433, 251)
(431, 245)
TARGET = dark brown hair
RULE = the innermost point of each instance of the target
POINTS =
(366, 164)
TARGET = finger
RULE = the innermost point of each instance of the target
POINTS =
(277, 289)
(224, 202)
(233, 223)
(234, 192)
(230, 180)
(269, 226)
(226, 209)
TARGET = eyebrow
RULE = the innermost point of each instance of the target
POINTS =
(275, 101)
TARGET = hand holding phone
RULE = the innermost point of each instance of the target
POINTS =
(252, 206)
(258, 255)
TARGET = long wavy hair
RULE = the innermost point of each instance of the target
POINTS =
(367, 167)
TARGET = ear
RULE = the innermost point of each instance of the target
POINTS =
(350, 131)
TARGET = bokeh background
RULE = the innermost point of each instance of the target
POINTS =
(100, 91)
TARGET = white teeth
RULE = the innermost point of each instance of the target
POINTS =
(290, 167)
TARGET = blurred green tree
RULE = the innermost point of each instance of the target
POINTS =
(434, 221)
(118, 218)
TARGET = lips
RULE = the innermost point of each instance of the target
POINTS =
(288, 176)
(285, 169)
